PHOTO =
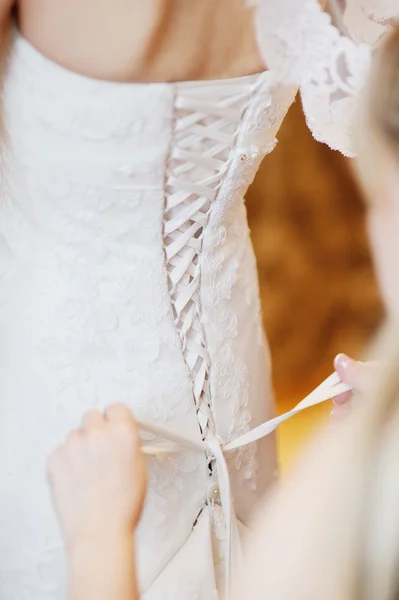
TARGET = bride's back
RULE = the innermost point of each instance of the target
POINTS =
(151, 40)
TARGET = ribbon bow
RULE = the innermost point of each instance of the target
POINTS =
(169, 442)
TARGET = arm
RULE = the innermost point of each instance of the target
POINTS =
(299, 545)
(103, 568)
(98, 482)
(359, 375)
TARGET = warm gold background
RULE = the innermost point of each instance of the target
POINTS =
(318, 291)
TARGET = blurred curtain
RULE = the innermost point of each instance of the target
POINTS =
(318, 290)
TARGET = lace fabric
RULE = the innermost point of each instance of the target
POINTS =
(299, 41)
(123, 222)
(205, 132)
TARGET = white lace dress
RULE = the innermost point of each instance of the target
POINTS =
(127, 274)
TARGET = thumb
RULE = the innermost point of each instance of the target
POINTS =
(352, 372)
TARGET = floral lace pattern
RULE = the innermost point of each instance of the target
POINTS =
(228, 272)
(88, 296)
(205, 130)
(86, 311)
(299, 41)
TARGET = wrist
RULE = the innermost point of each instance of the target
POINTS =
(100, 541)
(102, 566)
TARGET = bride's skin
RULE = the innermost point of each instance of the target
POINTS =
(151, 40)
(143, 40)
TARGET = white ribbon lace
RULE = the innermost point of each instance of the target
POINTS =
(167, 441)
(207, 122)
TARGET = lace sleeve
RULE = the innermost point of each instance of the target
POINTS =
(327, 54)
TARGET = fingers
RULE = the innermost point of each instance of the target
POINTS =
(342, 398)
(119, 413)
(340, 411)
(354, 373)
(93, 419)
(62, 455)
(115, 413)
(74, 436)
(120, 419)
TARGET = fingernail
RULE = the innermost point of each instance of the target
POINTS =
(342, 361)
(339, 400)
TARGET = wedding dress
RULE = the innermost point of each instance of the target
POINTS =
(127, 274)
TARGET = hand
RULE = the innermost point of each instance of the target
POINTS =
(356, 374)
(98, 477)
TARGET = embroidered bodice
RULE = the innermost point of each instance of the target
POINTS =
(127, 274)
